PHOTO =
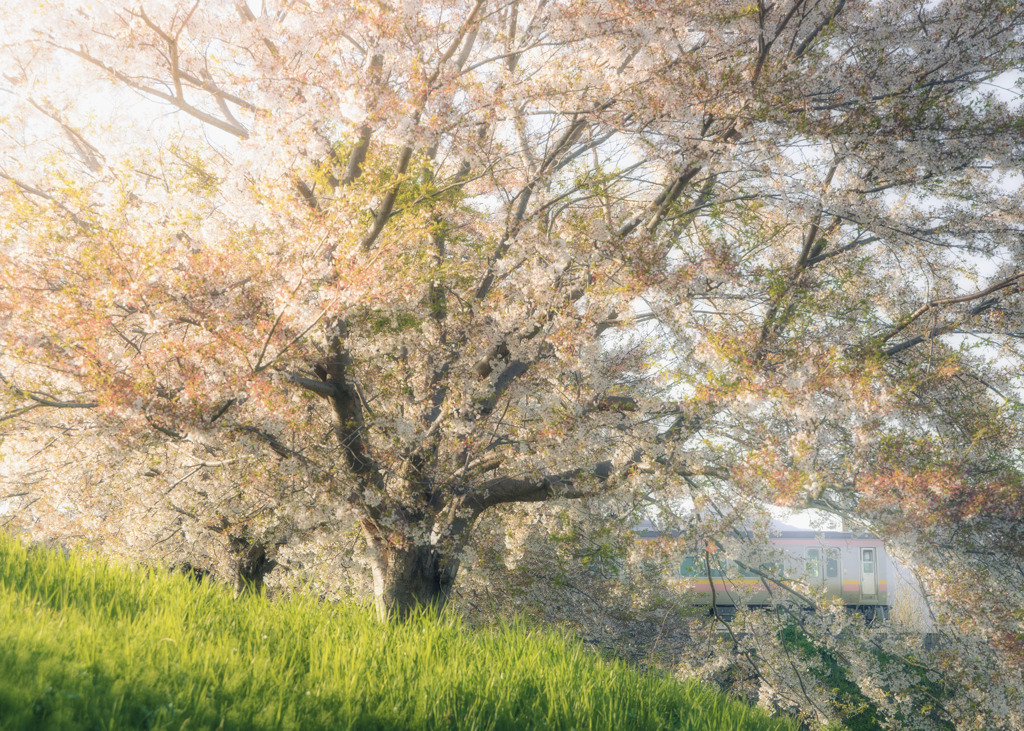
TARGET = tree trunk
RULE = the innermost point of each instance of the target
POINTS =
(407, 578)
(251, 565)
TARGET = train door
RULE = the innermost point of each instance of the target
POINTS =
(833, 577)
(815, 573)
(868, 573)
(823, 566)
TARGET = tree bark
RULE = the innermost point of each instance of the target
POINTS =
(405, 579)
(251, 566)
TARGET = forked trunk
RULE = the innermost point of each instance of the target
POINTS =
(404, 579)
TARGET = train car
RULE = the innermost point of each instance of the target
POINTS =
(852, 566)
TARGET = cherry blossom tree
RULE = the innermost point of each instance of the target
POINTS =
(285, 281)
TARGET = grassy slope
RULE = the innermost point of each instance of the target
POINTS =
(87, 645)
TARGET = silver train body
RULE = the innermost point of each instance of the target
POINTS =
(852, 567)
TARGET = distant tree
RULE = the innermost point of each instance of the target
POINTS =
(289, 276)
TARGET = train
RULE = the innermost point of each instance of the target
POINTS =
(853, 567)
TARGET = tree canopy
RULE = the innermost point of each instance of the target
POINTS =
(322, 277)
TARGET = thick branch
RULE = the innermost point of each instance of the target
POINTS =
(388, 204)
(88, 152)
(1011, 281)
(64, 404)
(939, 330)
(347, 405)
(806, 43)
(573, 484)
(243, 10)
(557, 152)
(359, 153)
(32, 190)
(275, 444)
(660, 205)
(357, 157)
(181, 104)
(321, 388)
(40, 400)
(18, 412)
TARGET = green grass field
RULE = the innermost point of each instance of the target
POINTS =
(87, 645)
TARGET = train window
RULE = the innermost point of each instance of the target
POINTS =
(868, 576)
(868, 557)
(689, 568)
(694, 568)
(832, 563)
(814, 563)
(746, 572)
